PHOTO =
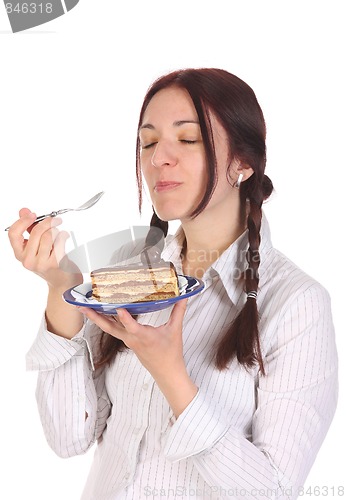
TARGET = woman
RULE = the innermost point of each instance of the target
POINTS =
(228, 395)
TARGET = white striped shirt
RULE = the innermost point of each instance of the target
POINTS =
(243, 435)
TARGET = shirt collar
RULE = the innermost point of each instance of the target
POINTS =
(173, 248)
(229, 266)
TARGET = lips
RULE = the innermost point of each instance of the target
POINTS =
(166, 186)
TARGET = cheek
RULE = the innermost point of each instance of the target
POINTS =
(198, 181)
(223, 187)
(146, 171)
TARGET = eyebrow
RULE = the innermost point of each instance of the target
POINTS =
(177, 123)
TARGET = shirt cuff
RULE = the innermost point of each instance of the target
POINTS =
(201, 425)
(49, 351)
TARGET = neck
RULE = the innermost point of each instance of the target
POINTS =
(209, 235)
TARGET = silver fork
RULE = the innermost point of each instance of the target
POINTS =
(85, 205)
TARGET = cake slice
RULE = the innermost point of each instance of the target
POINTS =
(135, 283)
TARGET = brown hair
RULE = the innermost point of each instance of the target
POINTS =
(234, 103)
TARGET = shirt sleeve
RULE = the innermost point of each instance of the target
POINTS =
(296, 401)
(71, 395)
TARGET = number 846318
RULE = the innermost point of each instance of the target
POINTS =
(29, 8)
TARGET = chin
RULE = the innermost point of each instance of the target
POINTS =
(169, 214)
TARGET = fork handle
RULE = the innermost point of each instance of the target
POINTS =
(42, 217)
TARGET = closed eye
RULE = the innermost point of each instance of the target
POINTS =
(147, 146)
(185, 141)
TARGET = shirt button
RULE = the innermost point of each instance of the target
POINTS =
(127, 476)
(145, 387)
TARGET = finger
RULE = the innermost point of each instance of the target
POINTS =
(25, 220)
(127, 320)
(178, 313)
(46, 243)
(58, 246)
(105, 322)
(24, 211)
(40, 233)
(38, 228)
(60, 258)
(15, 233)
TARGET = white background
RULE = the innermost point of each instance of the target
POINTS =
(70, 93)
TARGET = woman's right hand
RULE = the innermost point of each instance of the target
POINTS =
(43, 250)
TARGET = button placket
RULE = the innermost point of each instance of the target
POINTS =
(137, 432)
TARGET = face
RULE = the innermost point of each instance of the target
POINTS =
(173, 158)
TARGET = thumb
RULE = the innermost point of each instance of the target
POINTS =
(178, 313)
(24, 211)
(127, 320)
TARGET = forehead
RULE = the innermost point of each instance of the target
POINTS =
(170, 104)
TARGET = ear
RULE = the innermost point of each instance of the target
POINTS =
(243, 168)
(238, 168)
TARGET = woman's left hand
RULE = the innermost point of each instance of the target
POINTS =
(159, 349)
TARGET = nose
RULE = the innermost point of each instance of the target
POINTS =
(164, 155)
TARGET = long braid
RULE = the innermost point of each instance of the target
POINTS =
(242, 338)
(252, 279)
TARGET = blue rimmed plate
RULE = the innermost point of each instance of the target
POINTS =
(81, 296)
